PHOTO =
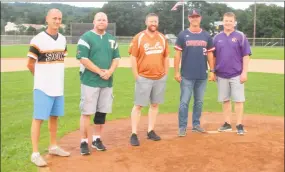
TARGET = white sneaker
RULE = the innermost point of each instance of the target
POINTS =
(38, 160)
(58, 151)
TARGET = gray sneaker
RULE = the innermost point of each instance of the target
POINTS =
(59, 152)
(225, 127)
(182, 132)
(198, 129)
(240, 130)
(38, 160)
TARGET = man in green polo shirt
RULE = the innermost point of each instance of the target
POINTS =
(99, 56)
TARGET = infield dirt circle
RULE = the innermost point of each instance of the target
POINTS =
(261, 149)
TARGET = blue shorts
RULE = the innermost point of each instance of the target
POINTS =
(46, 106)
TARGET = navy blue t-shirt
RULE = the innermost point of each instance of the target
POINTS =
(194, 47)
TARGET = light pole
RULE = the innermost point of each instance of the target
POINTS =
(254, 24)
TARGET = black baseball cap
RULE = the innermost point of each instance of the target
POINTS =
(194, 12)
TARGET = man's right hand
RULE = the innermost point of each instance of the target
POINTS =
(136, 76)
(177, 77)
(102, 73)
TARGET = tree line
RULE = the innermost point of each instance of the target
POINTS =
(130, 16)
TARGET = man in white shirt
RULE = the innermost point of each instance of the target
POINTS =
(46, 63)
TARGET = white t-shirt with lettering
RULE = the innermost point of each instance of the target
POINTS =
(49, 51)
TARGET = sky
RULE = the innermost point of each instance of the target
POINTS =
(235, 5)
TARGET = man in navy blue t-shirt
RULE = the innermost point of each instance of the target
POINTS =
(195, 46)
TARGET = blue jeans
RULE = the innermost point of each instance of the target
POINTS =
(187, 87)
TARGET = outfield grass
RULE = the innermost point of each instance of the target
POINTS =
(264, 93)
(276, 53)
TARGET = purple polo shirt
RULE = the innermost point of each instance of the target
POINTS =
(229, 53)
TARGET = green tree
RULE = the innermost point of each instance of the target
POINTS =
(130, 16)
(31, 31)
(21, 29)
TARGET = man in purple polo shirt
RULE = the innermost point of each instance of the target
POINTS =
(232, 51)
(194, 47)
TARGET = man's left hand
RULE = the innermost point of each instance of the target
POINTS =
(212, 76)
(243, 77)
(107, 75)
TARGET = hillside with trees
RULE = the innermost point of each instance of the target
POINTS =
(129, 16)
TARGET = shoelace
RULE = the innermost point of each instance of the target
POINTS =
(84, 144)
(226, 124)
(153, 134)
(99, 142)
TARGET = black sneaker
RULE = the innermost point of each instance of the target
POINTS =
(84, 149)
(225, 127)
(153, 136)
(240, 130)
(97, 144)
(134, 140)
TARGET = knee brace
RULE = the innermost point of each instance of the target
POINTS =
(99, 118)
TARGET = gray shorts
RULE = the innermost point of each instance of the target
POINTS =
(230, 89)
(95, 99)
(149, 91)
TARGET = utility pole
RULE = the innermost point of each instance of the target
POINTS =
(254, 24)
(183, 16)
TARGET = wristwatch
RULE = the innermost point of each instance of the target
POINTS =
(212, 70)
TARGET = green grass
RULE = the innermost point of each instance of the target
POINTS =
(264, 93)
(276, 53)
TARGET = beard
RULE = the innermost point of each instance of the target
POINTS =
(152, 28)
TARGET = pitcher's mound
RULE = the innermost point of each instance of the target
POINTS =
(260, 149)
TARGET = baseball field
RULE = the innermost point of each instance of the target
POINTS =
(260, 149)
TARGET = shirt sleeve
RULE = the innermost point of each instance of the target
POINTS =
(83, 48)
(134, 50)
(34, 51)
(179, 44)
(210, 44)
(116, 53)
(245, 46)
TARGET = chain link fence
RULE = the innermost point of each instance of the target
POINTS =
(25, 39)
(267, 42)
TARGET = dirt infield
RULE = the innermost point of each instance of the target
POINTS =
(255, 65)
(260, 150)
